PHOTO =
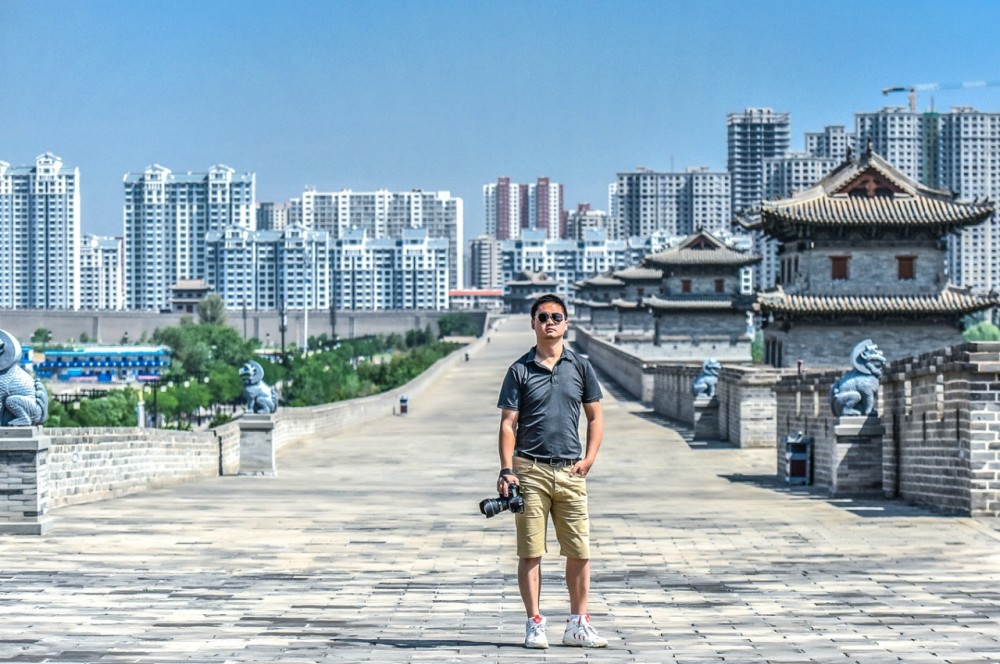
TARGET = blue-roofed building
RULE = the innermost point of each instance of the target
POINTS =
(104, 364)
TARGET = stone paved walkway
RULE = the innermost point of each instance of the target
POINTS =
(370, 548)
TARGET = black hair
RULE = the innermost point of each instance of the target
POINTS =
(551, 297)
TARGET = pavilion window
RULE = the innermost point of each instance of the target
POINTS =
(685, 285)
(839, 270)
(720, 285)
(907, 268)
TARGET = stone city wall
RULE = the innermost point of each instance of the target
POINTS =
(941, 414)
(110, 327)
(627, 369)
(86, 465)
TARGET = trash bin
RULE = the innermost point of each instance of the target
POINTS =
(798, 459)
(404, 403)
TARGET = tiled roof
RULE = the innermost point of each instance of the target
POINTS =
(637, 273)
(602, 280)
(868, 192)
(843, 210)
(721, 256)
(593, 304)
(689, 303)
(628, 304)
(952, 300)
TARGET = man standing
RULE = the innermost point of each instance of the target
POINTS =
(541, 452)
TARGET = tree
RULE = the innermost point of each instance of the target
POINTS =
(42, 335)
(457, 325)
(212, 310)
(757, 348)
(984, 331)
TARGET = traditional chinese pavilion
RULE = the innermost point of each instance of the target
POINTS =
(862, 255)
(704, 298)
(525, 288)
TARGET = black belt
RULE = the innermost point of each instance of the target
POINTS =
(555, 462)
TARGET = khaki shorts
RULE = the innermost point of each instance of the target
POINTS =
(554, 491)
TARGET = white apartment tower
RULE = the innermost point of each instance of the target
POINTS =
(270, 270)
(40, 235)
(673, 203)
(167, 217)
(272, 216)
(102, 273)
(380, 274)
(386, 214)
(754, 135)
(969, 164)
(486, 273)
(903, 138)
(833, 142)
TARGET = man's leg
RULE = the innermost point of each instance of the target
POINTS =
(529, 581)
(578, 583)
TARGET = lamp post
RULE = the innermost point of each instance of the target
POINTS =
(282, 326)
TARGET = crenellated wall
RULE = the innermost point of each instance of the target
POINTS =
(86, 465)
(941, 414)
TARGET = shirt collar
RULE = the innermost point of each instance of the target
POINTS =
(567, 354)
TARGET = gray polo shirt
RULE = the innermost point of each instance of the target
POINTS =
(548, 403)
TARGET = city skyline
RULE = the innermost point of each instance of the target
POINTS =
(451, 95)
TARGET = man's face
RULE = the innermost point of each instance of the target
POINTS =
(549, 329)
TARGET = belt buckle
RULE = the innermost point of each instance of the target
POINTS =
(559, 463)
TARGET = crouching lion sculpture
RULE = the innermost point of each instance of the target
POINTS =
(704, 384)
(260, 398)
(854, 392)
(23, 399)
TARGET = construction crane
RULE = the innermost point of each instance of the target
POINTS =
(913, 89)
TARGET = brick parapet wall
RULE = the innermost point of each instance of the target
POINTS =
(941, 412)
(628, 370)
(86, 465)
(94, 464)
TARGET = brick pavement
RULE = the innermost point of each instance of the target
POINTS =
(370, 548)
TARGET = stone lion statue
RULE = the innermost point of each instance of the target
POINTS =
(704, 384)
(260, 398)
(23, 399)
(854, 392)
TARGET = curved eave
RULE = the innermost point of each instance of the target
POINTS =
(683, 261)
(882, 212)
(821, 305)
(690, 305)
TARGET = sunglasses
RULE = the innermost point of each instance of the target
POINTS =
(544, 318)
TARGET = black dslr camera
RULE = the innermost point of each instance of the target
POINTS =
(513, 502)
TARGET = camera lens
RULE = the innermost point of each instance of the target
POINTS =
(493, 506)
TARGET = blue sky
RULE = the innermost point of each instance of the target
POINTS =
(444, 95)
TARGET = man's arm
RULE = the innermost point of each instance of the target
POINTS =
(595, 434)
(508, 427)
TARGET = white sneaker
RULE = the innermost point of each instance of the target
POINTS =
(581, 633)
(534, 633)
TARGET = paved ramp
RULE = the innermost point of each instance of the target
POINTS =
(370, 548)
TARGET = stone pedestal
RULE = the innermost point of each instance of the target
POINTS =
(24, 481)
(856, 463)
(706, 418)
(257, 448)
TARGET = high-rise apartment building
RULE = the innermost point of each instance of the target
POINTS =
(486, 273)
(40, 235)
(794, 172)
(167, 218)
(833, 142)
(754, 135)
(287, 269)
(511, 208)
(272, 216)
(905, 139)
(969, 164)
(385, 215)
(102, 273)
(958, 150)
(584, 219)
(565, 261)
(380, 274)
(674, 203)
